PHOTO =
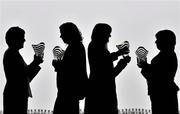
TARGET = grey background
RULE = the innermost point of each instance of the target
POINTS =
(134, 20)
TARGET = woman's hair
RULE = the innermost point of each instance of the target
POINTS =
(100, 32)
(13, 35)
(167, 37)
(71, 30)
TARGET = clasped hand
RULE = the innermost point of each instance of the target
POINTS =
(123, 51)
(127, 59)
(56, 63)
(38, 59)
(141, 63)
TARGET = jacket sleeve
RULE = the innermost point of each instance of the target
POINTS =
(32, 70)
(114, 56)
(146, 71)
(83, 78)
(119, 67)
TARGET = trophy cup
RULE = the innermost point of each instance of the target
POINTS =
(58, 53)
(123, 46)
(39, 49)
(141, 53)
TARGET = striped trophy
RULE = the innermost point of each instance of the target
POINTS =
(58, 53)
(141, 53)
(124, 45)
(39, 49)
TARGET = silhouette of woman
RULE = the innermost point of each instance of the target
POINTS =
(18, 73)
(101, 97)
(71, 71)
(160, 75)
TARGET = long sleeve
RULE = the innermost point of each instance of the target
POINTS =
(81, 71)
(71, 72)
(160, 73)
(32, 70)
(18, 73)
(146, 71)
(119, 67)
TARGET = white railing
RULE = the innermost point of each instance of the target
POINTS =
(121, 111)
(134, 111)
(40, 111)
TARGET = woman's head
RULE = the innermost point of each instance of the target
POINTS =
(101, 33)
(15, 37)
(165, 40)
(70, 33)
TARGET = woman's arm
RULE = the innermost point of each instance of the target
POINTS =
(121, 65)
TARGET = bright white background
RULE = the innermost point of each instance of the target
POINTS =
(132, 20)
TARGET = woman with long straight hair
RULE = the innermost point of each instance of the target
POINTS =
(101, 97)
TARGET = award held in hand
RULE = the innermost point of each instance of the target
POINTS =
(58, 53)
(39, 49)
(141, 53)
(124, 47)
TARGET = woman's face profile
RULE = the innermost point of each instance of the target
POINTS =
(64, 36)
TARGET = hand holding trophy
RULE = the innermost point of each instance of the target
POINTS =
(58, 53)
(124, 48)
(39, 49)
(141, 53)
(39, 52)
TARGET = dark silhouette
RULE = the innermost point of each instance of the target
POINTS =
(18, 73)
(71, 71)
(101, 97)
(160, 75)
